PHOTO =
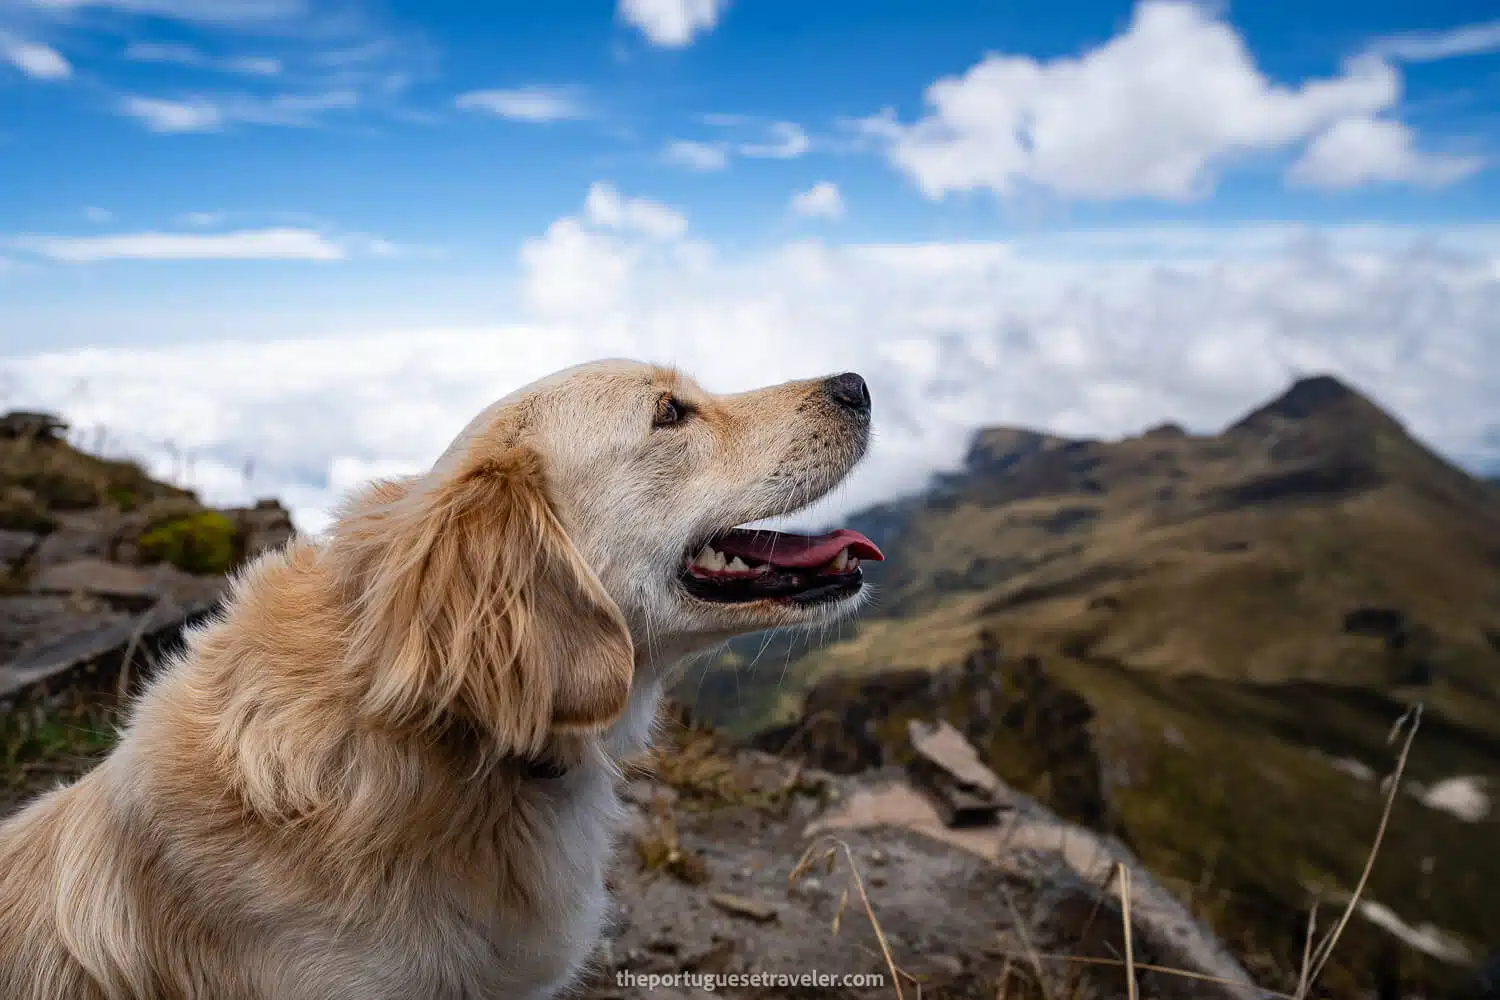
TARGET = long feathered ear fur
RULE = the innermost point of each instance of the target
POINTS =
(470, 600)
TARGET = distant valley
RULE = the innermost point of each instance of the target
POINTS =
(1242, 616)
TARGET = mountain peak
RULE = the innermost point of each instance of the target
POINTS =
(1313, 396)
(996, 449)
(1312, 393)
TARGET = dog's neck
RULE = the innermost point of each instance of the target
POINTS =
(631, 733)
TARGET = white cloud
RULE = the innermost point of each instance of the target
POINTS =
(1466, 40)
(251, 65)
(787, 142)
(250, 244)
(98, 215)
(211, 114)
(173, 116)
(1157, 111)
(1359, 151)
(201, 220)
(574, 269)
(672, 23)
(344, 56)
(186, 55)
(1092, 333)
(701, 156)
(821, 201)
(717, 119)
(605, 207)
(201, 11)
(783, 141)
(38, 61)
(527, 104)
(583, 265)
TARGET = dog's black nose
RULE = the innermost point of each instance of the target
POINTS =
(849, 391)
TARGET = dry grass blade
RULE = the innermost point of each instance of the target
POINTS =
(1325, 949)
(122, 684)
(1004, 981)
(1128, 931)
(1031, 953)
(915, 982)
(1312, 927)
(1165, 971)
(1072, 985)
(804, 863)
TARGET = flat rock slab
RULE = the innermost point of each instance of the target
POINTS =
(740, 906)
(98, 578)
(94, 639)
(131, 587)
(28, 621)
(946, 747)
(1034, 845)
(81, 535)
(16, 546)
(948, 769)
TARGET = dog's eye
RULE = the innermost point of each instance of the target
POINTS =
(668, 411)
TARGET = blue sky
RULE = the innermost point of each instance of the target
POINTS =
(1042, 196)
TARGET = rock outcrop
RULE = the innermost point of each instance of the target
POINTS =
(1029, 727)
(786, 857)
(100, 568)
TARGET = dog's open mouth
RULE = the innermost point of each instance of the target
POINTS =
(744, 565)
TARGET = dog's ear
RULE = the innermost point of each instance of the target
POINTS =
(471, 600)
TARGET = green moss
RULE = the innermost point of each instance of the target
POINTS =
(198, 543)
(123, 497)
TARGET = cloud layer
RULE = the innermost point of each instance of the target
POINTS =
(291, 62)
(252, 244)
(1085, 333)
(186, 55)
(1465, 40)
(1158, 111)
(213, 113)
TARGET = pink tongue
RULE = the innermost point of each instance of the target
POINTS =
(795, 551)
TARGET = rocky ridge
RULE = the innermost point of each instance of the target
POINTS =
(739, 862)
(100, 568)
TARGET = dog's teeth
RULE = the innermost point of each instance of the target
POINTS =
(841, 561)
(853, 563)
(711, 560)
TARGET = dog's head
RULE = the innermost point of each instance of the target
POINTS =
(588, 523)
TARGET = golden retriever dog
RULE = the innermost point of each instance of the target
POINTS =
(387, 770)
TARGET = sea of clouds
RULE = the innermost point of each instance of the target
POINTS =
(1084, 333)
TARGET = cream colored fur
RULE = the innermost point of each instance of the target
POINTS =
(322, 797)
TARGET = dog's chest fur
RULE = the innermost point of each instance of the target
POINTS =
(430, 931)
(440, 946)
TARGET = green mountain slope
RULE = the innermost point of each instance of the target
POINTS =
(1246, 613)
